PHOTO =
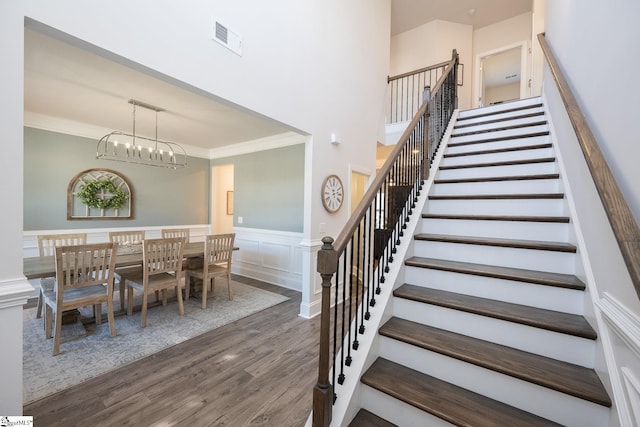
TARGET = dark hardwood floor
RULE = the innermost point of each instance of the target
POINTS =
(257, 371)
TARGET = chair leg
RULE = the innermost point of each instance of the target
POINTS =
(122, 282)
(180, 303)
(47, 321)
(130, 301)
(187, 286)
(205, 285)
(56, 336)
(40, 298)
(229, 286)
(144, 309)
(111, 317)
(97, 313)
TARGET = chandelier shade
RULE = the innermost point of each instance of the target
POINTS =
(132, 148)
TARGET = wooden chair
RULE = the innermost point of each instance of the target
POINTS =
(131, 237)
(170, 233)
(47, 244)
(84, 277)
(218, 251)
(161, 270)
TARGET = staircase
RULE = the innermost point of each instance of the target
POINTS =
(487, 328)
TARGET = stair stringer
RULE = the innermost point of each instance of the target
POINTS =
(349, 400)
(617, 327)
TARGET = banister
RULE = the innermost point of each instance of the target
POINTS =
(624, 226)
(420, 70)
(344, 236)
(360, 256)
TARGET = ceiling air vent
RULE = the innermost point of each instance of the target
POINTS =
(226, 37)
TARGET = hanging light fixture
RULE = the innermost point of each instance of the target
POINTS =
(132, 148)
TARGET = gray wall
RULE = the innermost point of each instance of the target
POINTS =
(269, 188)
(162, 196)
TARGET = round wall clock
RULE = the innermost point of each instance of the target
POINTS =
(332, 193)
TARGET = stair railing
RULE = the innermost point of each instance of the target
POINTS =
(357, 261)
(406, 91)
(616, 208)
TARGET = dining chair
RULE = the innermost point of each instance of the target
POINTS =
(169, 233)
(161, 271)
(218, 252)
(84, 277)
(126, 239)
(47, 244)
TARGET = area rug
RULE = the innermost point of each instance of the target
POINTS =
(89, 351)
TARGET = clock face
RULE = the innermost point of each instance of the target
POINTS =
(332, 193)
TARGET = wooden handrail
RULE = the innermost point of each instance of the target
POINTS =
(344, 237)
(624, 226)
(421, 70)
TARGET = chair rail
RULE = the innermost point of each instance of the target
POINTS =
(624, 226)
(357, 261)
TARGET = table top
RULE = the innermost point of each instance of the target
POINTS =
(36, 267)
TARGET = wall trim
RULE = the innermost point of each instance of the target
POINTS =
(14, 292)
(271, 256)
(262, 144)
(624, 322)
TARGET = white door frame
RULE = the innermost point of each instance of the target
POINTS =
(524, 70)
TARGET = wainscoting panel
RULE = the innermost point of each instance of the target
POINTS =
(271, 256)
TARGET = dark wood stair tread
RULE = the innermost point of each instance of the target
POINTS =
(503, 163)
(564, 377)
(498, 178)
(498, 138)
(444, 400)
(488, 122)
(499, 150)
(493, 113)
(567, 281)
(549, 320)
(492, 241)
(365, 418)
(496, 196)
(515, 218)
(500, 128)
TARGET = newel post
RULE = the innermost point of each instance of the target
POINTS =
(323, 390)
(426, 153)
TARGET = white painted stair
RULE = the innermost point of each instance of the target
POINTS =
(487, 325)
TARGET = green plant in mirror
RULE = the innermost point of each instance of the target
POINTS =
(92, 194)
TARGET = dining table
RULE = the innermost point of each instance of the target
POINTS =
(45, 266)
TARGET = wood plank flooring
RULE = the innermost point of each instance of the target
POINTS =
(257, 371)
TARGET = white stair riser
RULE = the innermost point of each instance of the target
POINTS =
(501, 134)
(544, 402)
(548, 231)
(532, 207)
(510, 143)
(503, 107)
(499, 187)
(508, 156)
(541, 296)
(494, 171)
(490, 127)
(531, 259)
(556, 345)
(396, 411)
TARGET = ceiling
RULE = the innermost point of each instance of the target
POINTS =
(408, 14)
(79, 89)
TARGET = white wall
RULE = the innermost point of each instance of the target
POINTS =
(431, 44)
(497, 36)
(502, 93)
(304, 63)
(596, 47)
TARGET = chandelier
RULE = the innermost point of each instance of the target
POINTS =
(132, 148)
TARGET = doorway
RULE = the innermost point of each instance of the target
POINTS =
(222, 199)
(501, 75)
